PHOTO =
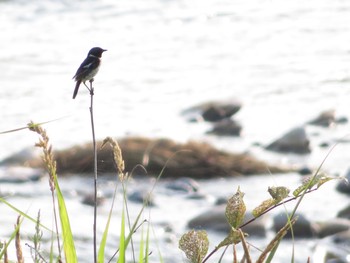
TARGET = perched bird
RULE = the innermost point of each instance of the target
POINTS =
(88, 69)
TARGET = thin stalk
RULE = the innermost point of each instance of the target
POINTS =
(128, 218)
(95, 167)
(56, 222)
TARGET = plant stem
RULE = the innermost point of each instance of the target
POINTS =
(56, 223)
(254, 218)
(95, 167)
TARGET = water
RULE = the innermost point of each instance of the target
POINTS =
(285, 60)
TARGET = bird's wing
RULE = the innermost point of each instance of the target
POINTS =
(88, 64)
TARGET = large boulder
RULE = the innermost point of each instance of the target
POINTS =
(295, 141)
(213, 111)
(171, 159)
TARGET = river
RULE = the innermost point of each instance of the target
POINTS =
(287, 61)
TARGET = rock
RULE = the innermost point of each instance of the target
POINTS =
(342, 238)
(21, 158)
(141, 196)
(17, 174)
(218, 112)
(344, 186)
(214, 219)
(342, 120)
(324, 145)
(221, 201)
(305, 171)
(213, 111)
(301, 229)
(333, 249)
(162, 156)
(89, 199)
(197, 196)
(226, 127)
(295, 141)
(325, 119)
(344, 213)
(187, 185)
(331, 227)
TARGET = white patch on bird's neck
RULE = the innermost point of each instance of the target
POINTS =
(93, 56)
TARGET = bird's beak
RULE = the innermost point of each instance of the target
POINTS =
(104, 50)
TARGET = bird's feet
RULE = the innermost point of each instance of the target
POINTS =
(91, 87)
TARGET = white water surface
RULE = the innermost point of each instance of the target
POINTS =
(285, 60)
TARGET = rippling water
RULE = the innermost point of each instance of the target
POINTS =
(285, 60)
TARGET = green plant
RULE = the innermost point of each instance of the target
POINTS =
(50, 164)
(36, 239)
(191, 243)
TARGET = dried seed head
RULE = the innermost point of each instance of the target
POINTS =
(47, 157)
(117, 155)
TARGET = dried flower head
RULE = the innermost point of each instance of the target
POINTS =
(47, 157)
(117, 155)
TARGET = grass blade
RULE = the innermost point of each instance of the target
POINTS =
(142, 247)
(101, 251)
(68, 241)
(122, 242)
(147, 245)
(22, 213)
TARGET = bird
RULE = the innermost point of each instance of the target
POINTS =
(88, 69)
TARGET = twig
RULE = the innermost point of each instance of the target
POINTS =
(36, 252)
(245, 247)
(19, 252)
(95, 167)
(277, 205)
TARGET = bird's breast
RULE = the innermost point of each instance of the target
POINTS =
(91, 74)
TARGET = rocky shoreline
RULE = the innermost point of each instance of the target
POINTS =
(146, 156)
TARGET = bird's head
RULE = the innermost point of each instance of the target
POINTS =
(96, 52)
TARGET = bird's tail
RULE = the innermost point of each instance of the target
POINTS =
(76, 88)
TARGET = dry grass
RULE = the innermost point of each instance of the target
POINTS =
(193, 159)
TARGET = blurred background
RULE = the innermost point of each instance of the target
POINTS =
(285, 61)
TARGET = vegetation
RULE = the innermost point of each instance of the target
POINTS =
(194, 243)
